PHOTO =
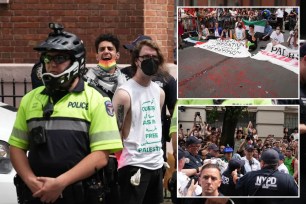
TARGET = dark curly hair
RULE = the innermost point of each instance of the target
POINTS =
(107, 37)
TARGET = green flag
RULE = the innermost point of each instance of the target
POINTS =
(259, 26)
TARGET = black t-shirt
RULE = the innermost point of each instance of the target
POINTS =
(227, 187)
(249, 38)
(194, 162)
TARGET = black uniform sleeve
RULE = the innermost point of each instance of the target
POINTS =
(171, 94)
(292, 186)
(241, 186)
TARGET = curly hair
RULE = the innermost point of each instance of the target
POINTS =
(107, 37)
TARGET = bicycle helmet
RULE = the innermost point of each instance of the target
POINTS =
(59, 40)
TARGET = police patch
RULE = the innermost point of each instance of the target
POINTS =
(109, 108)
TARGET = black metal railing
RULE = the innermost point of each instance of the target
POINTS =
(12, 91)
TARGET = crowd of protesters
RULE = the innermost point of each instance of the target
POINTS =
(226, 23)
(201, 145)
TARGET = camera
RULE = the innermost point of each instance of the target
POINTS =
(195, 178)
(57, 28)
(38, 136)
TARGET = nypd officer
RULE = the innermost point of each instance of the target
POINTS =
(229, 177)
(268, 181)
(195, 161)
(64, 130)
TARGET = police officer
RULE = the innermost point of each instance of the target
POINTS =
(268, 181)
(195, 160)
(64, 130)
(229, 177)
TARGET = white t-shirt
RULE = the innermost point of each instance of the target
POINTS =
(283, 168)
(143, 147)
(254, 167)
(280, 13)
(278, 38)
(239, 33)
(295, 136)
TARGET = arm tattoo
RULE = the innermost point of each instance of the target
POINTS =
(120, 116)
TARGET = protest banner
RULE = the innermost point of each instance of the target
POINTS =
(281, 56)
(229, 48)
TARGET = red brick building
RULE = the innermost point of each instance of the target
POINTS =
(24, 23)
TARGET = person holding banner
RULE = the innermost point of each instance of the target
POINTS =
(217, 30)
(267, 32)
(251, 39)
(239, 32)
(277, 37)
(203, 32)
(226, 34)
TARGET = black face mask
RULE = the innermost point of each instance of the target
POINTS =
(149, 66)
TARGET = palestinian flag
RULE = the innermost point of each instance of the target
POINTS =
(259, 26)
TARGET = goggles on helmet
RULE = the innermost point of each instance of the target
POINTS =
(57, 59)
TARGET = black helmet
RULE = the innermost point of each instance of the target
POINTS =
(59, 40)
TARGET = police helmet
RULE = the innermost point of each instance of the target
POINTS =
(60, 40)
(228, 149)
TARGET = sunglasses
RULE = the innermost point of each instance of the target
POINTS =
(58, 59)
(145, 57)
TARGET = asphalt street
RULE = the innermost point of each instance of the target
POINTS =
(205, 74)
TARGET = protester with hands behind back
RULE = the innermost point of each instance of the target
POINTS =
(58, 140)
(106, 76)
(138, 105)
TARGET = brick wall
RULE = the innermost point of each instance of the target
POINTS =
(24, 24)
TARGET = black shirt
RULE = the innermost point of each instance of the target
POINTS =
(194, 162)
(276, 184)
(227, 187)
(249, 38)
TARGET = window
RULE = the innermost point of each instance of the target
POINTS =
(291, 121)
